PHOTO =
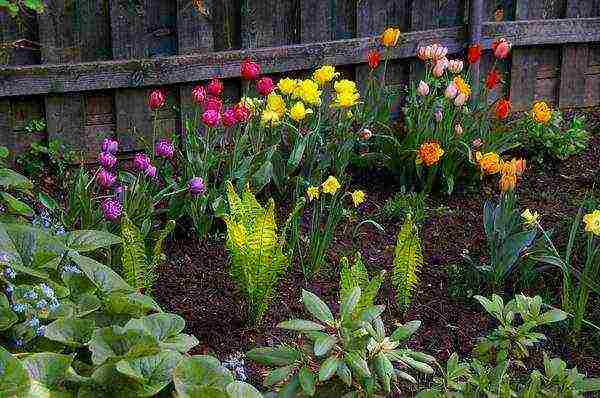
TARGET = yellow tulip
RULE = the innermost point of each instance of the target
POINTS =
(331, 185)
(325, 74)
(390, 37)
(299, 111)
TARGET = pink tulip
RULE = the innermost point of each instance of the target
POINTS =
(501, 48)
(455, 66)
(250, 70)
(265, 86)
(213, 104)
(440, 67)
(423, 89)
(229, 117)
(438, 52)
(156, 100)
(211, 118)
(422, 53)
(460, 99)
(451, 91)
(242, 113)
(199, 94)
(215, 87)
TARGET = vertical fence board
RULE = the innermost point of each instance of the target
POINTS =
(226, 21)
(268, 23)
(141, 31)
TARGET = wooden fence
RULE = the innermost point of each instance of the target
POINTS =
(85, 66)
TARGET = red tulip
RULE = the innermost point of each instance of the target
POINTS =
(250, 70)
(474, 53)
(265, 86)
(492, 80)
(501, 48)
(211, 118)
(156, 100)
(374, 58)
(215, 87)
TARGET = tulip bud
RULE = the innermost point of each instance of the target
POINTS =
(196, 186)
(451, 91)
(199, 94)
(141, 161)
(440, 67)
(109, 145)
(455, 66)
(423, 89)
(242, 112)
(422, 53)
(460, 99)
(213, 104)
(105, 178)
(111, 209)
(164, 149)
(458, 130)
(438, 52)
(151, 172)
(365, 134)
(439, 116)
(477, 143)
(249, 70)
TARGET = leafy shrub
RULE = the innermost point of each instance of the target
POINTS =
(408, 260)
(351, 353)
(257, 253)
(550, 138)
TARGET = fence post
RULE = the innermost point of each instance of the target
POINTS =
(475, 24)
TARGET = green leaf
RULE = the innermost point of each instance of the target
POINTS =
(104, 278)
(16, 206)
(307, 381)
(553, 316)
(404, 332)
(349, 303)
(317, 307)
(239, 389)
(117, 343)
(324, 344)
(162, 325)
(90, 240)
(328, 368)
(47, 368)
(10, 179)
(357, 363)
(35, 5)
(408, 260)
(70, 331)
(7, 318)
(344, 373)
(290, 389)
(274, 356)
(278, 375)
(14, 380)
(300, 325)
(182, 343)
(131, 303)
(4, 152)
(591, 384)
(133, 257)
(48, 202)
(153, 372)
(201, 376)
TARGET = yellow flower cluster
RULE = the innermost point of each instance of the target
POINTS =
(592, 222)
(299, 112)
(274, 110)
(491, 163)
(541, 112)
(346, 94)
(325, 74)
(308, 91)
(358, 197)
(530, 218)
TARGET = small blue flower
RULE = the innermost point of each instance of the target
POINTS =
(41, 304)
(30, 295)
(34, 322)
(9, 289)
(54, 304)
(19, 342)
(10, 273)
(4, 257)
(47, 290)
(71, 269)
(40, 331)
(60, 230)
(18, 308)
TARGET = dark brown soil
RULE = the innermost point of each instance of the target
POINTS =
(194, 283)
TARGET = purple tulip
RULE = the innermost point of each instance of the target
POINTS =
(196, 186)
(141, 161)
(151, 172)
(107, 160)
(164, 149)
(109, 145)
(105, 178)
(112, 209)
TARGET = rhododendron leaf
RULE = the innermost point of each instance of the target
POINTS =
(307, 381)
(324, 344)
(7, 318)
(405, 331)
(349, 303)
(278, 375)
(357, 363)
(274, 356)
(328, 368)
(317, 307)
(10, 179)
(14, 380)
(300, 325)
(201, 376)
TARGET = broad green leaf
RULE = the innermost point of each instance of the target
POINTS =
(290, 389)
(405, 331)
(105, 279)
(201, 376)
(239, 389)
(131, 303)
(307, 381)
(357, 363)
(7, 318)
(162, 325)
(14, 380)
(278, 375)
(117, 343)
(47, 368)
(554, 316)
(48, 202)
(349, 303)
(324, 344)
(70, 331)
(16, 206)
(274, 356)
(317, 307)
(10, 179)
(35, 5)
(90, 240)
(343, 371)
(182, 343)
(328, 368)
(300, 325)
(153, 372)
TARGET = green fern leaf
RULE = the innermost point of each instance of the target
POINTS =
(408, 260)
(133, 257)
(358, 276)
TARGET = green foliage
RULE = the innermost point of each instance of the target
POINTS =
(508, 240)
(408, 260)
(140, 256)
(511, 340)
(41, 159)
(358, 276)
(257, 252)
(347, 354)
(402, 203)
(552, 139)
(14, 187)
(16, 7)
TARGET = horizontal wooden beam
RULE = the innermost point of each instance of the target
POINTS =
(62, 78)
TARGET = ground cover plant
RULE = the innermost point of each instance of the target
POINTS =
(300, 241)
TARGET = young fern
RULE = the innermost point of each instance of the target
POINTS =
(133, 257)
(256, 251)
(408, 260)
(358, 276)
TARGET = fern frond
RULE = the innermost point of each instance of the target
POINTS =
(408, 260)
(133, 257)
(358, 276)
(157, 255)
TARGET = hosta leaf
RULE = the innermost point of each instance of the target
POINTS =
(152, 372)
(14, 379)
(104, 278)
(274, 356)
(307, 381)
(300, 325)
(328, 368)
(278, 375)
(324, 344)
(117, 343)
(239, 389)
(86, 241)
(317, 307)
(70, 331)
(201, 376)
